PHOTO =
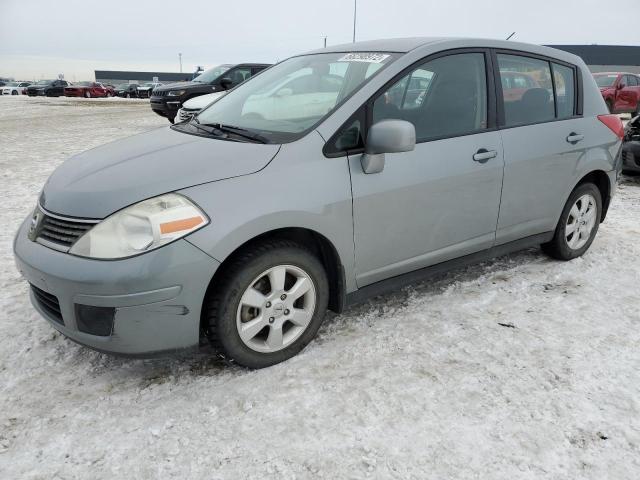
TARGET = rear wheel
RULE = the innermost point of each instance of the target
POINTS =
(267, 305)
(14, 92)
(578, 224)
(87, 94)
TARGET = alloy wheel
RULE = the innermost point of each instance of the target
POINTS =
(580, 222)
(276, 308)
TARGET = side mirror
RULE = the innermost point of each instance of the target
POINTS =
(226, 83)
(387, 136)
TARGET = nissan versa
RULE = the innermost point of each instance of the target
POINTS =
(330, 177)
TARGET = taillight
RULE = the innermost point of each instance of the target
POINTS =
(614, 123)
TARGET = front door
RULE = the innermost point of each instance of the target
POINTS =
(441, 200)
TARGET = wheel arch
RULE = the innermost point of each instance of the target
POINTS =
(601, 180)
(316, 242)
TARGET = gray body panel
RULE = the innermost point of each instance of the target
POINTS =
(108, 178)
(425, 207)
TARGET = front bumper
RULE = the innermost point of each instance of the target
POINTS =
(165, 106)
(157, 297)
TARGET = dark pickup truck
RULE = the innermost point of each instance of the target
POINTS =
(166, 100)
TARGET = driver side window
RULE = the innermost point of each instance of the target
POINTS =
(443, 97)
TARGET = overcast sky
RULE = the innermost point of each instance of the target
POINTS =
(42, 38)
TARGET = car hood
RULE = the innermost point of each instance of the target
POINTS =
(178, 85)
(100, 181)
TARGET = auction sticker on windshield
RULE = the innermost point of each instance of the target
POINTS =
(364, 57)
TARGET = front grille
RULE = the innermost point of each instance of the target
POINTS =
(160, 93)
(60, 233)
(49, 303)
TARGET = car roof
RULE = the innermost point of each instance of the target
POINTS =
(405, 45)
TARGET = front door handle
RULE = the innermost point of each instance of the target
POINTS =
(483, 155)
(574, 138)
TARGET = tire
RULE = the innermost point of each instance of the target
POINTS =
(87, 94)
(560, 247)
(108, 95)
(14, 92)
(276, 336)
(128, 95)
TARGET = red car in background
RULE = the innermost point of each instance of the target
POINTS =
(88, 90)
(621, 91)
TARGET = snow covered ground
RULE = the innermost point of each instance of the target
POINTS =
(421, 384)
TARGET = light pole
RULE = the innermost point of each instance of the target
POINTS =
(180, 59)
(355, 11)
(325, 41)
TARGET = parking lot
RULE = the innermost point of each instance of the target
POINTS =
(522, 367)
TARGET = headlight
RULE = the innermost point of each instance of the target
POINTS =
(140, 228)
(176, 93)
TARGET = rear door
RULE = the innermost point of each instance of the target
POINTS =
(437, 202)
(543, 138)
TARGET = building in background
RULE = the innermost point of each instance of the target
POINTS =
(116, 77)
(606, 58)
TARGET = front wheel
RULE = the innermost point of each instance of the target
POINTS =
(578, 224)
(267, 305)
(14, 92)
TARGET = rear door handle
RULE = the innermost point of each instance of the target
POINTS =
(483, 155)
(575, 138)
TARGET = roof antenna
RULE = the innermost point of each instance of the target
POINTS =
(509, 37)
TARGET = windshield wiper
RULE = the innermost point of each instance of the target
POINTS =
(241, 132)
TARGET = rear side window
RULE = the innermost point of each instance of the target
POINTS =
(633, 81)
(564, 84)
(444, 97)
(527, 90)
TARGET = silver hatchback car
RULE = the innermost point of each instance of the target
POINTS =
(330, 177)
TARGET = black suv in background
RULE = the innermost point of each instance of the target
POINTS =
(167, 99)
(48, 88)
(127, 90)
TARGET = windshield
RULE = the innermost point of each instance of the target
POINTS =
(605, 80)
(12, 84)
(122, 86)
(289, 98)
(44, 82)
(210, 75)
(84, 84)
